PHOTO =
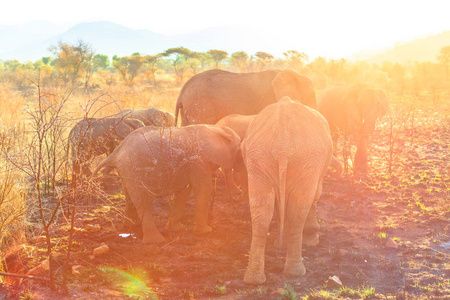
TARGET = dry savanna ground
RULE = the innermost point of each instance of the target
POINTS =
(382, 237)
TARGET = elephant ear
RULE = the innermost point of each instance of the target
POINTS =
(126, 126)
(218, 145)
(296, 86)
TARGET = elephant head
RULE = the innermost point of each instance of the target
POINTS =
(124, 127)
(218, 146)
(296, 86)
(364, 107)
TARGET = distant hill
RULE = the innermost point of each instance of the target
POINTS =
(31, 41)
(423, 49)
(113, 39)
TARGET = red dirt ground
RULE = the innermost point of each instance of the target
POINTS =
(410, 206)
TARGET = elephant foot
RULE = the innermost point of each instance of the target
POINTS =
(310, 240)
(294, 269)
(202, 229)
(254, 276)
(174, 226)
(153, 238)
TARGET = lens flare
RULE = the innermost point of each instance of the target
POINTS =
(129, 284)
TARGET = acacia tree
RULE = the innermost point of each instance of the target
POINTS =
(178, 57)
(239, 60)
(217, 56)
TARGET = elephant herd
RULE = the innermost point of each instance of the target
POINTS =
(265, 129)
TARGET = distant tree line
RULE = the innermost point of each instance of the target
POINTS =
(77, 64)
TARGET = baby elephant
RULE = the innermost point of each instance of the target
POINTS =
(91, 137)
(153, 162)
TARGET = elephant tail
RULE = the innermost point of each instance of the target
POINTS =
(282, 170)
(177, 110)
(336, 165)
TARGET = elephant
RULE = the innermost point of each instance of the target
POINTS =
(150, 116)
(153, 162)
(211, 95)
(91, 137)
(240, 123)
(354, 110)
(287, 150)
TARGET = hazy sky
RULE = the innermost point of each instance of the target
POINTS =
(342, 26)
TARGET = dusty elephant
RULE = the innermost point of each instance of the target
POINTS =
(240, 123)
(91, 137)
(209, 96)
(150, 116)
(287, 150)
(155, 162)
(354, 110)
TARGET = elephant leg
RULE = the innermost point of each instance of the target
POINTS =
(232, 187)
(311, 228)
(142, 201)
(201, 184)
(178, 209)
(262, 203)
(299, 205)
(131, 215)
(361, 163)
(241, 172)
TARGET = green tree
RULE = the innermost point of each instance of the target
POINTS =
(239, 59)
(217, 56)
(102, 61)
(178, 57)
(46, 60)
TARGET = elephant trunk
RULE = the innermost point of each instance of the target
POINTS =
(282, 169)
(106, 162)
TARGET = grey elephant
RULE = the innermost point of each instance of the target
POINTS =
(354, 110)
(287, 150)
(150, 116)
(91, 137)
(211, 95)
(240, 123)
(153, 162)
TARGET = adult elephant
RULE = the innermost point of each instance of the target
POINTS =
(153, 162)
(354, 110)
(287, 150)
(149, 116)
(209, 96)
(240, 124)
(91, 137)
